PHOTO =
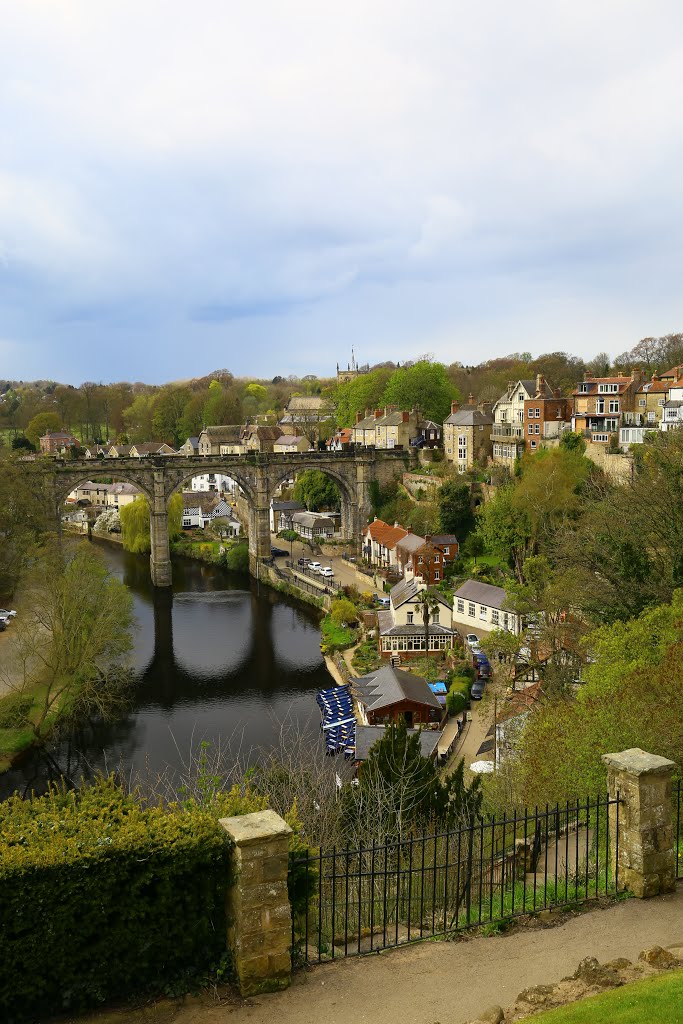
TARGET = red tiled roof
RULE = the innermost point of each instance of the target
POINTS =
(519, 702)
(387, 536)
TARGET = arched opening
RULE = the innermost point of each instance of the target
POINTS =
(94, 493)
(324, 493)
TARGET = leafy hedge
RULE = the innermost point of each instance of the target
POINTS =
(102, 897)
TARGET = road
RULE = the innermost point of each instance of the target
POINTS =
(344, 572)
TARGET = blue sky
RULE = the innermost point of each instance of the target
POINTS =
(261, 186)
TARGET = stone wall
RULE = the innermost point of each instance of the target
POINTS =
(618, 467)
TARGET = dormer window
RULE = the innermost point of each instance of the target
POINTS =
(583, 389)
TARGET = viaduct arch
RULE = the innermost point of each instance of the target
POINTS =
(259, 475)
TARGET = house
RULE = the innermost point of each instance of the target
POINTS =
(283, 509)
(510, 718)
(401, 627)
(363, 430)
(94, 451)
(147, 448)
(368, 735)
(406, 547)
(190, 447)
(673, 415)
(229, 524)
(433, 558)
(90, 492)
(467, 435)
(225, 440)
(379, 542)
(120, 494)
(119, 451)
(601, 402)
(395, 428)
(340, 441)
(219, 482)
(392, 695)
(305, 413)
(428, 435)
(480, 606)
(291, 443)
(198, 508)
(258, 437)
(317, 526)
(507, 432)
(57, 441)
(545, 418)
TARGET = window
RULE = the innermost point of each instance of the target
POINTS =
(462, 453)
(495, 616)
(534, 445)
(461, 606)
(537, 428)
(483, 612)
(446, 551)
(435, 616)
(531, 428)
(600, 405)
(450, 451)
(410, 618)
(471, 609)
(642, 402)
(661, 402)
(614, 405)
(436, 557)
(601, 437)
(462, 440)
(608, 389)
(583, 389)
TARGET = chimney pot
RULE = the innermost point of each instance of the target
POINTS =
(359, 416)
(454, 407)
(378, 414)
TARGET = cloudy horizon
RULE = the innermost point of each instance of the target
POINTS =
(263, 188)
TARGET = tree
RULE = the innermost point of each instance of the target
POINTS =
(427, 604)
(473, 547)
(573, 442)
(71, 641)
(455, 508)
(135, 528)
(360, 393)
(290, 536)
(237, 558)
(25, 516)
(21, 442)
(424, 386)
(343, 612)
(40, 425)
(316, 490)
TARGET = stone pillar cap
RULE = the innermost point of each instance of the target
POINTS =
(638, 762)
(245, 829)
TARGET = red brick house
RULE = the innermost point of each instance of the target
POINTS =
(391, 695)
(56, 441)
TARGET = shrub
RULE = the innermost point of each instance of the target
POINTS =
(102, 897)
(237, 558)
(455, 702)
(366, 656)
(14, 710)
(343, 612)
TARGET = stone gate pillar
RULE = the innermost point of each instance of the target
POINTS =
(646, 845)
(259, 912)
(160, 555)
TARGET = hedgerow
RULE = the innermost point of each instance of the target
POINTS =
(102, 897)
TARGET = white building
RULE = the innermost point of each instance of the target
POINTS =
(213, 482)
(480, 606)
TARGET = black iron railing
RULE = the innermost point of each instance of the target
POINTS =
(373, 897)
(678, 841)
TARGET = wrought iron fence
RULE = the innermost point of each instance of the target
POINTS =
(678, 845)
(362, 900)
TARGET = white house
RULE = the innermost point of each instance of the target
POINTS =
(401, 627)
(480, 606)
(314, 525)
(213, 482)
(288, 508)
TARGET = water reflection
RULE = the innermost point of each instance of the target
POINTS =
(216, 657)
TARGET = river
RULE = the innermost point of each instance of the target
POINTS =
(218, 657)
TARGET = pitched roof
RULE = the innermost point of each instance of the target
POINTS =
(227, 434)
(150, 447)
(368, 735)
(469, 416)
(367, 423)
(124, 488)
(411, 543)
(289, 439)
(519, 702)
(287, 506)
(441, 539)
(389, 686)
(654, 387)
(205, 500)
(311, 519)
(407, 589)
(386, 535)
(263, 432)
(308, 403)
(593, 382)
(482, 593)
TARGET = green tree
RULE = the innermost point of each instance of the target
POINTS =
(237, 558)
(316, 491)
(455, 509)
(343, 612)
(473, 547)
(168, 416)
(357, 395)
(573, 442)
(72, 638)
(25, 516)
(290, 536)
(41, 424)
(425, 386)
(135, 529)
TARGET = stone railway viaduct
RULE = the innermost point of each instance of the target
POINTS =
(258, 475)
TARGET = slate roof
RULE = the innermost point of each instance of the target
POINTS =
(407, 589)
(482, 593)
(228, 434)
(469, 416)
(389, 686)
(441, 539)
(308, 403)
(368, 735)
(412, 542)
(311, 519)
(287, 506)
(205, 500)
(289, 439)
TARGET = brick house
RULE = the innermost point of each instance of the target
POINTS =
(545, 418)
(434, 556)
(379, 543)
(600, 404)
(56, 441)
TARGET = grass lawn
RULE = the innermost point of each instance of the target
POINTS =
(336, 638)
(659, 998)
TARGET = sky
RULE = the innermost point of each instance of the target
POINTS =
(261, 186)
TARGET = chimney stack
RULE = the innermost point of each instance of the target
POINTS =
(359, 416)
(405, 416)
(378, 414)
(540, 383)
(557, 393)
(454, 407)
(470, 399)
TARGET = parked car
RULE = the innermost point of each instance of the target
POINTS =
(473, 640)
(326, 572)
(5, 613)
(384, 602)
(482, 665)
(303, 562)
(314, 567)
(477, 691)
(277, 552)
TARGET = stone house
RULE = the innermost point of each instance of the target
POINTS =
(259, 437)
(119, 451)
(467, 435)
(291, 443)
(225, 440)
(189, 447)
(283, 511)
(120, 494)
(600, 404)
(481, 606)
(507, 433)
(147, 448)
(390, 695)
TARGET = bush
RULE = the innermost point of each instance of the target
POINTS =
(366, 657)
(335, 637)
(455, 702)
(103, 898)
(237, 558)
(14, 710)
(343, 612)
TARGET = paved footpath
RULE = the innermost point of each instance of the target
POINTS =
(439, 982)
